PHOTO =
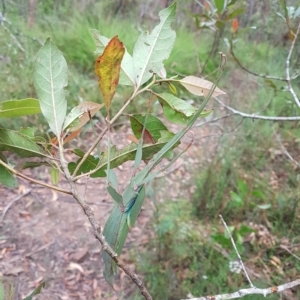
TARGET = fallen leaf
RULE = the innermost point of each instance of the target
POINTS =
(75, 266)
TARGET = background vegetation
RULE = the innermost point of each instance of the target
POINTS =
(246, 175)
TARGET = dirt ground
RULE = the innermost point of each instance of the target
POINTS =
(44, 235)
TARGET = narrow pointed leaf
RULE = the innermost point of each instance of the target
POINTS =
(36, 291)
(200, 87)
(136, 207)
(2, 292)
(115, 195)
(220, 5)
(81, 114)
(117, 157)
(54, 174)
(18, 108)
(152, 49)
(7, 178)
(116, 229)
(50, 79)
(115, 225)
(14, 141)
(144, 174)
(108, 67)
(176, 110)
(127, 72)
(35, 164)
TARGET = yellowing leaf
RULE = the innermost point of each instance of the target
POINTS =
(200, 87)
(108, 67)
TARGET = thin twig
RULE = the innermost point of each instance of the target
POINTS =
(284, 149)
(290, 252)
(255, 115)
(120, 112)
(3, 8)
(97, 229)
(288, 78)
(7, 207)
(251, 291)
(38, 250)
(257, 74)
(212, 120)
(237, 253)
(52, 187)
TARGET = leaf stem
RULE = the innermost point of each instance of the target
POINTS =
(15, 172)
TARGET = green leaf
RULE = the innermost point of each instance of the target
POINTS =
(54, 174)
(116, 229)
(232, 2)
(258, 194)
(243, 230)
(115, 195)
(152, 49)
(7, 179)
(235, 13)
(36, 291)
(236, 199)
(16, 142)
(35, 164)
(117, 157)
(50, 79)
(153, 127)
(243, 188)
(28, 131)
(176, 110)
(135, 210)
(18, 108)
(220, 5)
(2, 292)
(127, 72)
(144, 174)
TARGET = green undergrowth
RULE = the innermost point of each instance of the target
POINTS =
(249, 180)
(187, 256)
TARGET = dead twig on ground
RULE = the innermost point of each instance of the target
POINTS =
(252, 290)
(7, 207)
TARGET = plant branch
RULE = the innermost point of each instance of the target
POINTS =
(257, 116)
(257, 74)
(284, 149)
(288, 78)
(98, 231)
(86, 155)
(251, 291)
(237, 253)
(52, 187)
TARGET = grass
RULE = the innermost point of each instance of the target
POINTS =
(247, 180)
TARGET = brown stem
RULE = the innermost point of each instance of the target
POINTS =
(52, 187)
(97, 229)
